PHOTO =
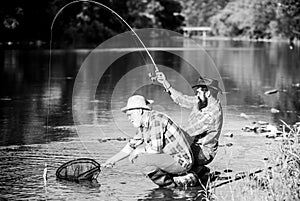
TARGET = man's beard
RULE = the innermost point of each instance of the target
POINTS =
(202, 103)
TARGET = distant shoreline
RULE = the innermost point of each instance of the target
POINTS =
(244, 39)
(45, 44)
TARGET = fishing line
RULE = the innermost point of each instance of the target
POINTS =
(120, 18)
(50, 50)
(51, 39)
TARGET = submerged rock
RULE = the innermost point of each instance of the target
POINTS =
(226, 145)
(228, 170)
(279, 138)
(297, 85)
(244, 115)
(249, 128)
(272, 136)
(262, 123)
(272, 91)
(109, 139)
(274, 110)
(228, 134)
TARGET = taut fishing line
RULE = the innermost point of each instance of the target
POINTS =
(51, 38)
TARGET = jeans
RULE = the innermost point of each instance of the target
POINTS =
(151, 162)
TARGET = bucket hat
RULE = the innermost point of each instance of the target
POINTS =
(208, 82)
(137, 102)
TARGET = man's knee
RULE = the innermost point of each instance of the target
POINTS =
(142, 163)
(148, 169)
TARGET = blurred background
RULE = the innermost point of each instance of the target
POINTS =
(86, 24)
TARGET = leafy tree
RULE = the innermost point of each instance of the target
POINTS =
(169, 16)
(253, 18)
(199, 12)
(142, 13)
(22, 20)
(288, 12)
(83, 24)
(259, 19)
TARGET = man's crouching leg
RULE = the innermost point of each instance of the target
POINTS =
(153, 166)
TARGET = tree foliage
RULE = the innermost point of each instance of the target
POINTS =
(258, 19)
(84, 23)
(87, 24)
(289, 18)
(199, 12)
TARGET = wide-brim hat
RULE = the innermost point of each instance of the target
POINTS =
(209, 83)
(137, 102)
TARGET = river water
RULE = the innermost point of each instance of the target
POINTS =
(52, 122)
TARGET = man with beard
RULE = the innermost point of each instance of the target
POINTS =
(205, 120)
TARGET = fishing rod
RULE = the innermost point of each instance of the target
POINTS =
(88, 161)
(120, 18)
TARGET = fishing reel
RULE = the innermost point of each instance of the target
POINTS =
(152, 77)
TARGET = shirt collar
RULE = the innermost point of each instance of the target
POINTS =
(146, 122)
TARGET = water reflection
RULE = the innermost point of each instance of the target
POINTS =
(174, 194)
(87, 184)
(288, 104)
(257, 67)
(247, 69)
(24, 94)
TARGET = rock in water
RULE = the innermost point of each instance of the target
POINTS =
(273, 91)
(274, 110)
(228, 134)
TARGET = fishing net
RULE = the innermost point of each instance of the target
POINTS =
(79, 169)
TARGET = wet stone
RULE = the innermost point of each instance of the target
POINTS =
(228, 170)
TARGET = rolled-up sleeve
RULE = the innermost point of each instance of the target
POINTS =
(183, 100)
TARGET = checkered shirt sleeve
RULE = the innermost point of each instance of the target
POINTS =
(183, 100)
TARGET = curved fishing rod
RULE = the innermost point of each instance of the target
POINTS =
(50, 49)
(51, 38)
(100, 4)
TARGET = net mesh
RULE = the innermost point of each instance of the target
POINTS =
(79, 169)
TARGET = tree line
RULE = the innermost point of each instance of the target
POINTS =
(85, 23)
(256, 19)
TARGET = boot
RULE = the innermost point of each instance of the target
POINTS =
(162, 179)
(203, 173)
(187, 180)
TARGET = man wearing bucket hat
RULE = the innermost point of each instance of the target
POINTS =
(205, 120)
(160, 148)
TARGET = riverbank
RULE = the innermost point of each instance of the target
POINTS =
(273, 40)
(277, 180)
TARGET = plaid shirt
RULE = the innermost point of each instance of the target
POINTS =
(205, 124)
(161, 135)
